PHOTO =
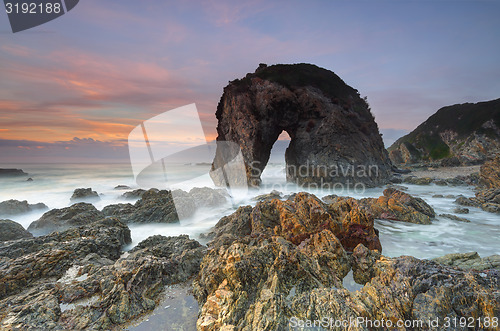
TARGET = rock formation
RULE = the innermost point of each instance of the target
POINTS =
(12, 172)
(84, 194)
(455, 135)
(334, 138)
(488, 191)
(10, 230)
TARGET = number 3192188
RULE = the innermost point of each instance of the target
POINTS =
(33, 8)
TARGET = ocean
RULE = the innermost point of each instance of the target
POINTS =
(53, 184)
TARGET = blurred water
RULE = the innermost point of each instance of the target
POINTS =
(54, 185)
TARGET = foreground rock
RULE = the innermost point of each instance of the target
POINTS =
(399, 206)
(105, 292)
(10, 230)
(163, 206)
(26, 262)
(465, 134)
(61, 219)
(85, 194)
(15, 207)
(334, 137)
(259, 275)
(470, 261)
(298, 219)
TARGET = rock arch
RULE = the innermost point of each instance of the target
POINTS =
(334, 137)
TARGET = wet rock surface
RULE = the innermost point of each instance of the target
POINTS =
(470, 260)
(333, 133)
(78, 214)
(15, 207)
(10, 230)
(399, 206)
(12, 172)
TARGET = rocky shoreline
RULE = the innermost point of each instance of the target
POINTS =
(265, 266)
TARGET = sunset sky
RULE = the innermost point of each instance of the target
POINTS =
(75, 87)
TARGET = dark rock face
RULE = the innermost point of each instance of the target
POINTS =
(298, 219)
(455, 135)
(24, 262)
(84, 194)
(10, 230)
(81, 213)
(399, 206)
(12, 173)
(14, 207)
(334, 138)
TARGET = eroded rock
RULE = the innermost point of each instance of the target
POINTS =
(334, 138)
(399, 206)
(10, 230)
(15, 207)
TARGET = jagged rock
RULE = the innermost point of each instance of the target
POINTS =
(25, 262)
(461, 210)
(207, 197)
(102, 291)
(251, 280)
(154, 207)
(10, 230)
(491, 207)
(269, 196)
(135, 194)
(78, 214)
(469, 261)
(465, 134)
(399, 206)
(334, 138)
(418, 180)
(296, 220)
(12, 173)
(122, 187)
(14, 207)
(108, 294)
(455, 218)
(84, 194)
(261, 281)
(468, 202)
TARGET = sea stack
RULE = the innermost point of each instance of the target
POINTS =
(334, 137)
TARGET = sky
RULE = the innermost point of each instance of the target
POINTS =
(74, 88)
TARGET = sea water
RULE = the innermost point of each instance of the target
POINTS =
(54, 185)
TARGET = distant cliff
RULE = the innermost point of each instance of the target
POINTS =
(455, 135)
